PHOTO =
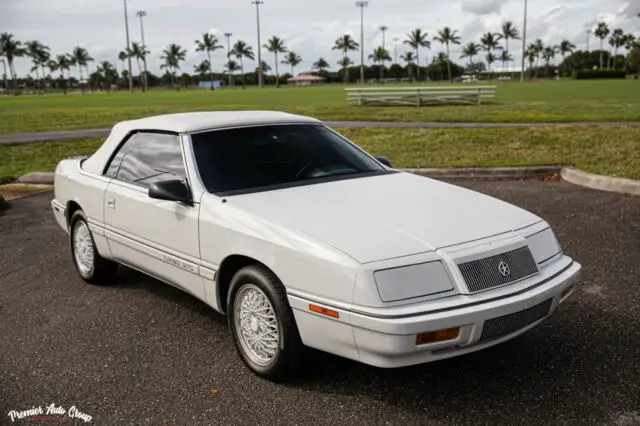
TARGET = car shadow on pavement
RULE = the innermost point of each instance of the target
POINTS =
(585, 368)
(131, 280)
(571, 366)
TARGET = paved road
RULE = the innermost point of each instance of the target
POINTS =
(141, 352)
(20, 138)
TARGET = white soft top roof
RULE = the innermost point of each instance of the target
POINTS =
(187, 122)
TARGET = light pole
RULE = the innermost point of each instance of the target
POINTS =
(141, 14)
(362, 5)
(588, 37)
(383, 28)
(228, 35)
(524, 41)
(126, 27)
(258, 3)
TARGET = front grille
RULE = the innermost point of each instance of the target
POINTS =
(485, 273)
(506, 324)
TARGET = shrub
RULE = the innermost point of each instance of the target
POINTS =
(593, 74)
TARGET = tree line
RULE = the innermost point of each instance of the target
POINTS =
(492, 48)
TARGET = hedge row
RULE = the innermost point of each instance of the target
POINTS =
(589, 74)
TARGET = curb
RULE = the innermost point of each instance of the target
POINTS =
(42, 178)
(600, 182)
(31, 194)
(528, 172)
(24, 138)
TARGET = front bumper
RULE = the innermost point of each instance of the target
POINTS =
(387, 340)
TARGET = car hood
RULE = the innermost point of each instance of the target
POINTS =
(387, 216)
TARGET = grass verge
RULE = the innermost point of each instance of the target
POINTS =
(542, 101)
(613, 151)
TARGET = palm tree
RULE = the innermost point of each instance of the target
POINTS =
(241, 50)
(64, 64)
(202, 69)
(122, 56)
(39, 56)
(470, 50)
(490, 41)
(505, 57)
(548, 53)
(629, 43)
(276, 45)
(11, 48)
(209, 43)
(44, 56)
(231, 66)
(108, 73)
(417, 39)
(565, 47)
(292, 59)
(616, 41)
(80, 58)
(138, 52)
(443, 61)
(529, 56)
(380, 54)
(509, 32)
(410, 60)
(490, 58)
(344, 63)
(265, 67)
(172, 55)
(536, 49)
(52, 64)
(447, 36)
(321, 64)
(346, 44)
(602, 32)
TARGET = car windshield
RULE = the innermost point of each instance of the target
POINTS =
(276, 156)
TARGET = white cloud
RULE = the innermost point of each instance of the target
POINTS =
(482, 7)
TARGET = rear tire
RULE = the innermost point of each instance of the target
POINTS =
(262, 324)
(91, 267)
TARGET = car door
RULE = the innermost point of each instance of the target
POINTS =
(158, 237)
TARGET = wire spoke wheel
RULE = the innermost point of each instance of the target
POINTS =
(256, 325)
(83, 248)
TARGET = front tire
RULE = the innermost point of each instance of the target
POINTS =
(262, 324)
(91, 267)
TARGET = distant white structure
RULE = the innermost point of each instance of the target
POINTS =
(305, 79)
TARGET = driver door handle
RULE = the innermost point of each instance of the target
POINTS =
(111, 203)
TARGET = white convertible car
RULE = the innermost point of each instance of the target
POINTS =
(304, 240)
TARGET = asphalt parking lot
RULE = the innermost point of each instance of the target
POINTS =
(142, 352)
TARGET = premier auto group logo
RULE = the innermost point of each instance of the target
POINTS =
(51, 412)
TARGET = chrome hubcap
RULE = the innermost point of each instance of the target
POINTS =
(83, 248)
(256, 324)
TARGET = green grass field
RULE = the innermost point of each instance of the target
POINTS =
(604, 150)
(544, 101)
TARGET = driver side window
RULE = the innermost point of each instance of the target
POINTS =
(150, 157)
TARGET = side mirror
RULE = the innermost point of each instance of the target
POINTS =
(171, 190)
(385, 161)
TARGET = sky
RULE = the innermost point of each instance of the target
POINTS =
(308, 27)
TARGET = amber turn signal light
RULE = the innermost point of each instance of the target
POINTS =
(437, 336)
(565, 292)
(324, 311)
